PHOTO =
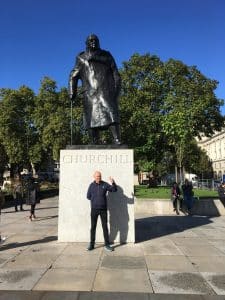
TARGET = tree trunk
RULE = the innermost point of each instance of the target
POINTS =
(183, 173)
(176, 174)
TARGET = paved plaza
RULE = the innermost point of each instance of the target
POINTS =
(174, 257)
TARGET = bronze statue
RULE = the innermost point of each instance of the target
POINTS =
(101, 83)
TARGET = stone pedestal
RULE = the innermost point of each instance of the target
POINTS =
(77, 167)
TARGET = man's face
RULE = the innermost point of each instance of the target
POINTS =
(97, 177)
(92, 43)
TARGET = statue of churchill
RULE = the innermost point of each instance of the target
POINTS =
(101, 84)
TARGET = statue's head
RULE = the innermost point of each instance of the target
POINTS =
(92, 42)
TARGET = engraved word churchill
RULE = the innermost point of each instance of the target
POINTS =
(99, 159)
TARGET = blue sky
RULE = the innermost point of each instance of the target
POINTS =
(42, 37)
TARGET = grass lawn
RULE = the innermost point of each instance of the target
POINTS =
(141, 191)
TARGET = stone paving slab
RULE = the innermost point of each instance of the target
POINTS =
(219, 244)
(88, 262)
(213, 233)
(114, 280)
(123, 262)
(169, 263)
(216, 281)
(64, 280)
(179, 283)
(26, 228)
(20, 279)
(201, 250)
(190, 241)
(204, 264)
(53, 248)
(33, 260)
(36, 256)
(23, 239)
(10, 254)
(184, 234)
(161, 247)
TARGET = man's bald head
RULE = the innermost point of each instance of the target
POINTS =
(97, 176)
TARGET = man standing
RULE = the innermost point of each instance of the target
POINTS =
(97, 195)
(187, 189)
(101, 84)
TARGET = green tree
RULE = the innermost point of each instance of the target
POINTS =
(164, 106)
(52, 117)
(197, 161)
(17, 133)
(140, 103)
(3, 159)
(190, 106)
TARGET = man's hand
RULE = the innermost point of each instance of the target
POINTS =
(111, 180)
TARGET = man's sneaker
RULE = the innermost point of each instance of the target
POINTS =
(108, 248)
(2, 239)
(90, 247)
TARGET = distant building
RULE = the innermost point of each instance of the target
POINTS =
(215, 149)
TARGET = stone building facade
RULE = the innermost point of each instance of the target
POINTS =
(215, 149)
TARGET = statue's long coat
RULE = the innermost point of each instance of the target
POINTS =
(101, 86)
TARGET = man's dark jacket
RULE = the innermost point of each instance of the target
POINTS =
(97, 194)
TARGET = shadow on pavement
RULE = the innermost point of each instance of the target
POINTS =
(17, 245)
(157, 226)
(28, 209)
(10, 202)
(38, 219)
(48, 207)
(118, 215)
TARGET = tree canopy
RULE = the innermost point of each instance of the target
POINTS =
(16, 128)
(164, 105)
(51, 117)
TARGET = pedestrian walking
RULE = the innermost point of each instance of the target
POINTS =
(187, 190)
(18, 193)
(175, 197)
(221, 191)
(32, 197)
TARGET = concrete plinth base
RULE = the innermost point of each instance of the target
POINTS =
(77, 167)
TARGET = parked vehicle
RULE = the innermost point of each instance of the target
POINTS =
(193, 178)
(48, 176)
